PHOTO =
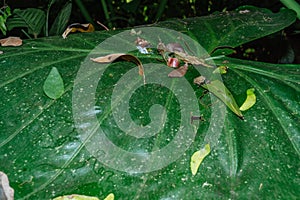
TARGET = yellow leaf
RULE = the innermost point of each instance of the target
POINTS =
(111, 196)
(75, 197)
(250, 100)
(198, 157)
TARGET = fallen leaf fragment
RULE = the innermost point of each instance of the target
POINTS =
(142, 45)
(198, 157)
(77, 27)
(221, 70)
(250, 100)
(180, 72)
(111, 196)
(75, 197)
(112, 57)
(199, 80)
(173, 62)
(6, 192)
(11, 41)
(54, 85)
(180, 54)
(220, 90)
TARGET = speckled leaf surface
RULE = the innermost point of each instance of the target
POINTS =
(255, 158)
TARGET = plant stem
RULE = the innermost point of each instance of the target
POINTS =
(106, 14)
(292, 4)
(84, 11)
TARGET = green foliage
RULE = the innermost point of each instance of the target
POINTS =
(37, 20)
(4, 14)
(61, 21)
(256, 158)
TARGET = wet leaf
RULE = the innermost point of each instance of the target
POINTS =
(250, 100)
(112, 57)
(220, 90)
(198, 157)
(42, 154)
(11, 41)
(77, 27)
(54, 85)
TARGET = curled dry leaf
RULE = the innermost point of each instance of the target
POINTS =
(112, 57)
(180, 72)
(77, 27)
(199, 80)
(191, 59)
(180, 54)
(6, 192)
(11, 41)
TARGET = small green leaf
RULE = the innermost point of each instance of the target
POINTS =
(219, 89)
(54, 85)
(250, 100)
(198, 157)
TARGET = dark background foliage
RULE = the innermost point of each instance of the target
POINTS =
(277, 48)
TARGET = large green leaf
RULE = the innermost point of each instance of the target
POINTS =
(43, 155)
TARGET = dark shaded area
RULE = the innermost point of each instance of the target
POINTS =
(282, 47)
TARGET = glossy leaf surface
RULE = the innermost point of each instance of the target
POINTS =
(43, 156)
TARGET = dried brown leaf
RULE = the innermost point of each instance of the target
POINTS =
(77, 27)
(11, 41)
(180, 72)
(112, 57)
(6, 192)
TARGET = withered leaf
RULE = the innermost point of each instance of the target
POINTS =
(199, 80)
(11, 41)
(112, 57)
(191, 59)
(180, 72)
(6, 192)
(77, 27)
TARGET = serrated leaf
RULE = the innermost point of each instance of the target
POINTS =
(54, 84)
